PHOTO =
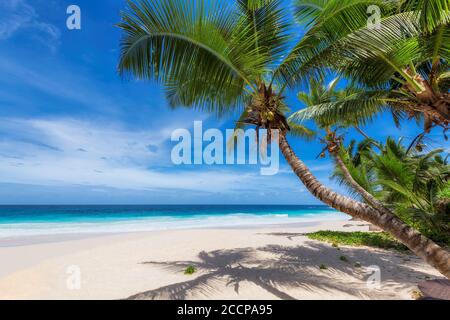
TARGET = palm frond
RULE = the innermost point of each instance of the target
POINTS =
(355, 108)
(337, 19)
(298, 130)
(432, 13)
(267, 23)
(307, 11)
(175, 41)
(342, 40)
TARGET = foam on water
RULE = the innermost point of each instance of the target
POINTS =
(16, 221)
(159, 223)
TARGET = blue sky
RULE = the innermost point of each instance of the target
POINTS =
(73, 132)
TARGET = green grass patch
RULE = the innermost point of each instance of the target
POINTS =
(190, 270)
(370, 239)
(323, 267)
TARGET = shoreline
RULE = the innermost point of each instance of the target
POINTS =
(267, 262)
(13, 234)
(64, 237)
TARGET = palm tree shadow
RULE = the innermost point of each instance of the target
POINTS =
(275, 269)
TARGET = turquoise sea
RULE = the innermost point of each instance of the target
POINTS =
(16, 221)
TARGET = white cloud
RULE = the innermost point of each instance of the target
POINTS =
(71, 151)
(315, 167)
(18, 15)
(68, 152)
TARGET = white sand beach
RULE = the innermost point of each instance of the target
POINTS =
(270, 262)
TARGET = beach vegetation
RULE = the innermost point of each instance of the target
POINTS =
(190, 270)
(370, 239)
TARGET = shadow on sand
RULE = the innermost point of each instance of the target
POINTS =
(279, 269)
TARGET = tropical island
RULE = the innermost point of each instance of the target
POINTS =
(311, 70)
(239, 55)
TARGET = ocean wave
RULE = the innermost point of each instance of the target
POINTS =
(161, 223)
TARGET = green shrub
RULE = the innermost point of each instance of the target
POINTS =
(190, 270)
(370, 239)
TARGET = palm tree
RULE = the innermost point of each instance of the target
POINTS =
(222, 55)
(410, 182)
(402, 62)
(319, 94)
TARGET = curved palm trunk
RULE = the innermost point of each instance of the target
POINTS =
(436, 256)
(374, 202)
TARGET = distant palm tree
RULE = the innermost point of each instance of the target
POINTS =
(402, 61)
(320, 94)
(221, 55)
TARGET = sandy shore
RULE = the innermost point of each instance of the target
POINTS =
(255, 263)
